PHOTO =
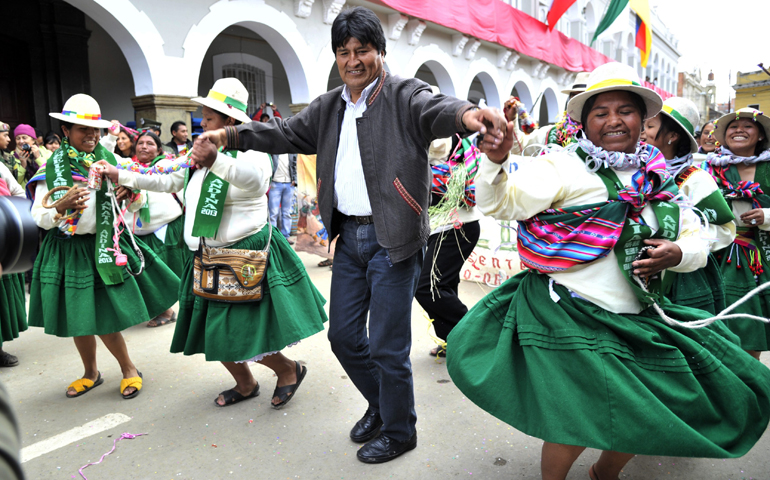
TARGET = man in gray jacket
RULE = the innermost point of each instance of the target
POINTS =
(371, 137)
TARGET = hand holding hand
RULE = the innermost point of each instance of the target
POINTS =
(666, 254)
(204, 152)
(217, 137)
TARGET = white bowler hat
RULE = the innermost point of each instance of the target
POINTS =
(721, 124)
(611, 77)
(580, 83)
(82, 109)
(684, 113)
(228, 96)
(440, 149)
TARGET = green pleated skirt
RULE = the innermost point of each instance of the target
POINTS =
(703, 289)
(69, 299)
(570, 372)
(739, 282)
(13, 312)
(291, 309)
(172, 250)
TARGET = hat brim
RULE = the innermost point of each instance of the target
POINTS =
(725, 120)
(224, 108)
(81, 121)
(693, 142)
(573, 90)
(651, 99)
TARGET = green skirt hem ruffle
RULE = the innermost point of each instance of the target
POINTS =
(570, 372)
(69, 299)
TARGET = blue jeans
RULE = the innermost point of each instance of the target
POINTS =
(365, 282)
(280, 199)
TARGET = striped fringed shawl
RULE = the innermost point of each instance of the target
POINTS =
(560, 238)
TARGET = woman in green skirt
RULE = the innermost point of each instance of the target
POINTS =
(13, 312)
(569, 350)
(291, 308)
(741, 168)
(157, 218)
(671, 131)
(78, 290)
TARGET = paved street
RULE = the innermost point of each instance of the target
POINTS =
(189, 438)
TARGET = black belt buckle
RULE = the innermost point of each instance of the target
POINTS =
(364, 220)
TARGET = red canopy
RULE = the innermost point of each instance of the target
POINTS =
(497, 22)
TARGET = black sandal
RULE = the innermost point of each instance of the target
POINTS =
(160, 321)
(231, 397)
(286, 393)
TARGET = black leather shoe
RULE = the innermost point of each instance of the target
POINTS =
(367, 428)
(384, 449)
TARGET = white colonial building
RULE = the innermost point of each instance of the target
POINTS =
(146, 58)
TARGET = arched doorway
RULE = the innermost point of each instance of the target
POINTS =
(433, 73)
(549, 108)
(521, 91)
(242, 53)
(483, 87)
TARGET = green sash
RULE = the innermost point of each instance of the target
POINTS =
(58, 172)
(634, 233)
(211, 204)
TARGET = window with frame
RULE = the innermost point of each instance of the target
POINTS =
(251, 77)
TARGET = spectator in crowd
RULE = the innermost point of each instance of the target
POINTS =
(262, 116)
(707, 141)
(5, 140)
(125, 146)
(27, 157)
(52, 141)
(179, 141)
(281, 194)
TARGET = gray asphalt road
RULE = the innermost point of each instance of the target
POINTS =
(187, 437)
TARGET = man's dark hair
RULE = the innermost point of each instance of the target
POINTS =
(359, 23)
(667, 124)
(636, 99)
(154, 138)
(263, 117)
(175, 126)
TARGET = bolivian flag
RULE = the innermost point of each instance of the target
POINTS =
(643, 31)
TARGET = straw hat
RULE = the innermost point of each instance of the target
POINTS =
(228, 96)
(611, 77)
(580, 83)
(721, 124)
(82, 109)
(686, 115)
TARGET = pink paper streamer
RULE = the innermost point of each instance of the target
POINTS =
(114, 444)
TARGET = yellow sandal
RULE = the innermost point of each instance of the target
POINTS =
(135, 382)
(84, 385)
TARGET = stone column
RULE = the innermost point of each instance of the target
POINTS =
(297, 107)
(165, 109)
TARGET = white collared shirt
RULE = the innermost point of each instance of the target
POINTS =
(350, 193)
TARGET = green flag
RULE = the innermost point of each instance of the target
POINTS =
(612, 12)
